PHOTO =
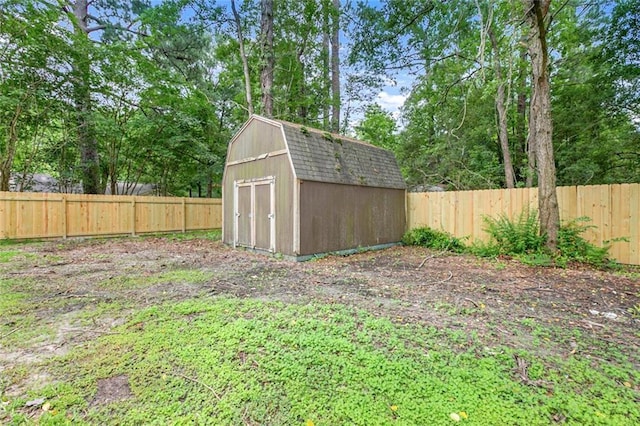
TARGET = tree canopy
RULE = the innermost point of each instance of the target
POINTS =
(96, 93)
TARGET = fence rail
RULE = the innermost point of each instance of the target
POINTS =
(36, 215)
(614, 211)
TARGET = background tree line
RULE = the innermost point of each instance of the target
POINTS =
(107, 91)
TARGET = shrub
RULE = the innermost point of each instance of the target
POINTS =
(573, 247)
(518, 237)
(431, 238)
(521, 239)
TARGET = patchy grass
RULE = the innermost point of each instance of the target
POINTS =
(192, 276)
(166, 330)
(233, 361)
(13, 255)
(213, 235)
(7, 255)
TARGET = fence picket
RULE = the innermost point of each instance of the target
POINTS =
(26, 215)
(613, 209)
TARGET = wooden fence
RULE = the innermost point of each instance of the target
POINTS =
(36, 215)
(614, 211)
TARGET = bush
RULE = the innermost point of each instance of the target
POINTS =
(573, 247)
(518, 237)
(431, 238)
(521, 239)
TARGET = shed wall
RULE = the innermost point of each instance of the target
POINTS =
(256, 139)
(279, 167)
(338, 217)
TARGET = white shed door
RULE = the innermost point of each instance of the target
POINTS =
(255, 224)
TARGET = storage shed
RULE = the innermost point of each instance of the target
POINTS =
(300, 191)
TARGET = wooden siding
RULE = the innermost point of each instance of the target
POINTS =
(278, 166)
(254, 140)
(614, 211)
(337, 217)
(36, 215)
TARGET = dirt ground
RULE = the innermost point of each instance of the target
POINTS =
(408, 284)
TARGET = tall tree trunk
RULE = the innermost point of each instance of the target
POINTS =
(303, 109)
(6, 160)
(326, 79)
(501, 107)
(87, 141)
(521, 119)
(268, 60)
(335, 67)
(243, 57)
(540, 124)
(531, 151)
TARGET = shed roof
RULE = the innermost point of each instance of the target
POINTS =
(326, 157)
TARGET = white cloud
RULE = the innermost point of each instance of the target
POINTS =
(389, 102)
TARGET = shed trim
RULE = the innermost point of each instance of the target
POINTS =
(296, 216)
(296, 185)
(260, 157)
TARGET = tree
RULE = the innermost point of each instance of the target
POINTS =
(335, 66)
(540, 124)
(622, 50)
(501, 108)
(243, 57)
(268, 59)
(378, 127)
(32, 52)
(78, 13)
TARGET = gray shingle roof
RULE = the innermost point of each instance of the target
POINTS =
(324, 157)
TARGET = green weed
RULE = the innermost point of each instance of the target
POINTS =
(229, 361)
(521, 239)
(433, 239)
(635, 311)
(211, 234)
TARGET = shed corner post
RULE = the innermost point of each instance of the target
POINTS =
(234, 213)
(406, 211)
(296, 217)
(272, 215)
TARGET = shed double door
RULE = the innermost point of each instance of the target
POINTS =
(255, 223)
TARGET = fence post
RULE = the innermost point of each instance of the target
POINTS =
(64, 217)
(184, 215)
(133, 216)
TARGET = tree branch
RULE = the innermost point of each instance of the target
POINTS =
(96, 28)
(426, 9)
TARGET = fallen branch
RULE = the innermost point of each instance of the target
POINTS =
(591, 323)
(551, 290)
(522, 369)
(431, 257)
(504, 331)
(441, 281)
(201, 384)
(11, 332)
(447, 279)
(471, 301)
(425, 260)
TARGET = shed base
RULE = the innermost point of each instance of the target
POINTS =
(306, 257)
(346, 252)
